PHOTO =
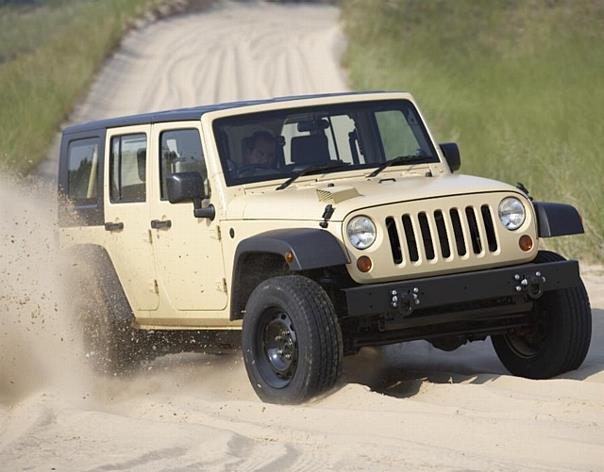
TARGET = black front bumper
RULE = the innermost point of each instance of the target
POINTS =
(523, 282)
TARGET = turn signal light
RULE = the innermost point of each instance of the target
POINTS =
(525, 242)
(289, 257)
(364, 264)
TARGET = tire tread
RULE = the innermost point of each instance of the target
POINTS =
(325, 343)
(573, 333)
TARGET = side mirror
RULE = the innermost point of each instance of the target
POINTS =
(188, 186)
(184, 186)
(451, 152)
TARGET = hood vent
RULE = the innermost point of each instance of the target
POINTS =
(337, 194)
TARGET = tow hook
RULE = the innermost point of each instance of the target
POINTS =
(405, 302)
(532, 284)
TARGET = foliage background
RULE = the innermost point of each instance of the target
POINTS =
(49, 53)
(518, 84)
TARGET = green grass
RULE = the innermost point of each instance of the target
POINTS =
(49, 53)
(518, 84)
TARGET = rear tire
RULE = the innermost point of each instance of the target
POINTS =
(111, 344)
(560, 339)
(292, 343)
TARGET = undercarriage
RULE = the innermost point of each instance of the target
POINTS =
(452, 309)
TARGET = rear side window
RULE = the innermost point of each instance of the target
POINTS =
(127, 168)
(338, 130)
(401, 135)
(180, 152)
(82, 171)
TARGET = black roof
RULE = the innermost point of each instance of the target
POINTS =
(185, 114)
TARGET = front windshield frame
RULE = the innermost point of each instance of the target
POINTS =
(371, 130)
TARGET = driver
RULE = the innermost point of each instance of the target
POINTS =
(261, 151)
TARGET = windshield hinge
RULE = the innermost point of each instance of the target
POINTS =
(217, 233)
(520, 186)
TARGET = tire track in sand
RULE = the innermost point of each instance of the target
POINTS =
(233, 52)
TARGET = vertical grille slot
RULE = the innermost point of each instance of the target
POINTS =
(441, 229)
(426, 235)
(410, 237)
(489, 227)
(474, 234)
(395, 242)
(458, 232)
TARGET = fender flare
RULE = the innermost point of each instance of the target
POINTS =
(557, 219)
(310, 249)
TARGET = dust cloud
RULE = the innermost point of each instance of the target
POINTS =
(41, 346)
(39, 342)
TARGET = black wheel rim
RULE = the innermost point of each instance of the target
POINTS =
(521, 346)
(276, 348)
(528, 342)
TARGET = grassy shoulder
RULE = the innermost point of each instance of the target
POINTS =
(49, 53)
(518, 85)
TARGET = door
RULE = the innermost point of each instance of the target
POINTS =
(127, 214)
(188, 251)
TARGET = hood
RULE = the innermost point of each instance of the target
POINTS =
(307, 200)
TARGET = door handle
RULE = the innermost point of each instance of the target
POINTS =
(159, 224)
(114, 226)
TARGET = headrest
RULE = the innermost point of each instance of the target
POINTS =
(311, 149)
(313, 125)
(141, 158)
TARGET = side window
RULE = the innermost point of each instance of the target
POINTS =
(289, 132)
(82, 169)
(127, 168)
(333, 137)
(398, 138)
(180, 151)
(342, 139)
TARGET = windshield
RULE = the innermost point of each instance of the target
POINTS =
(282, 143)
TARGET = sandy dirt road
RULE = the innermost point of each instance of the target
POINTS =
(407, 407)
(236, 52)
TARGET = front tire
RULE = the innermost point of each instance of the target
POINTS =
(559, 339)
(292, 343)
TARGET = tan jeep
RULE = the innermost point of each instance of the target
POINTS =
(317, 225)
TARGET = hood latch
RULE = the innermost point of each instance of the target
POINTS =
(329, 209)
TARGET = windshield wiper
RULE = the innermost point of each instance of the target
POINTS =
(394, 161)
(310, 170)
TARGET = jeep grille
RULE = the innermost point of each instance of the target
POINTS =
(445, 232)
(439, 236)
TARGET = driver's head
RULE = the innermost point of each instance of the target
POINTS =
(261, 152)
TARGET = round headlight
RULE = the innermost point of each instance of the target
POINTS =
(511, 213)
(361, 232)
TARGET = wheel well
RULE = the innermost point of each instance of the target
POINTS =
(253, 268)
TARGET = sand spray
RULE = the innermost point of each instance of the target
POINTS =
(40, 344)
